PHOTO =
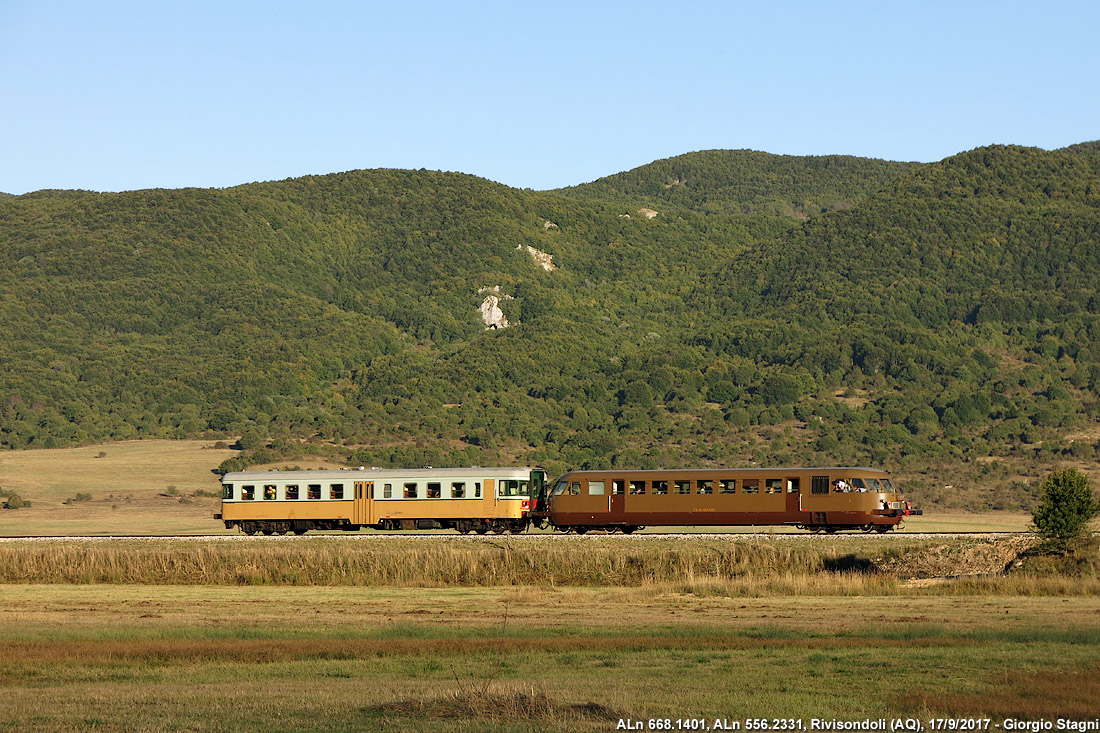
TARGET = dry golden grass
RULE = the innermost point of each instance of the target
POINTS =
(129, 486)
(700, 567)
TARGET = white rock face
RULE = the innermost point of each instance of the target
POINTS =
(491, 314)
(543, 260)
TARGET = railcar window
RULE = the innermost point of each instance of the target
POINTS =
(575, 488)
(683, 487)
(873, 485)
(751, 486)
(792, 486)
(410, 490)
(435, 491)
(660, 487)
(729, 485)
(512, 487)
(458, 490)
(706, 486)
(227, 491)
(313, 491)
(477, 489)
(637, 487)
(292, 492)
(618, 486)
(270, 492)
(387, 491)
(819, 484)
(336, 491)
(773, 486)
(595, 488)
(248, 493)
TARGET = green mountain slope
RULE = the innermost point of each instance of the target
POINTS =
(746, 181)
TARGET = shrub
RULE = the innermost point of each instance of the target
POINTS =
(1065, 508)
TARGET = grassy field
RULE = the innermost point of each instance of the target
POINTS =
(157, 487)
(139, 657)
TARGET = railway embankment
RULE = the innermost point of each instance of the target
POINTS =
(756, 566)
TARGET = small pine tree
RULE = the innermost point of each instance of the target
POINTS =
(1065, 508)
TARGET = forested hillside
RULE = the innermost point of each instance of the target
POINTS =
(747, 181)
(938, 320)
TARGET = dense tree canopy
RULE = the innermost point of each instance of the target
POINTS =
(776, 309)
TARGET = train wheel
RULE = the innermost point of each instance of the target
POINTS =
(580, 530)
(268, 532)
(882, 528)
(300, 532)
(629, 530)
(464, 531)
(867, 527)
(482, 530)
(249, 530)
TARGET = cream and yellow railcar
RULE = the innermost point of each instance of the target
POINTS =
(466, 499)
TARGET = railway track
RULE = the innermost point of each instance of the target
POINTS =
(524, 537)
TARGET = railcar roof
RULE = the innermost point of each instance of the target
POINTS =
(777, 469)
(366, 474)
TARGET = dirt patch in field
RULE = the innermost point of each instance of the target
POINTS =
(957, 559)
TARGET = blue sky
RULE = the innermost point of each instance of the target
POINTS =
(113, 96)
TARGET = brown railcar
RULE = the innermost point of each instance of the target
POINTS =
(819, 499)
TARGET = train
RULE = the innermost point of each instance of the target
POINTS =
(513, 499)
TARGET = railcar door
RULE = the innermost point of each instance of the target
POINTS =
(794, 497)
(364, 503)
(615, 499)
